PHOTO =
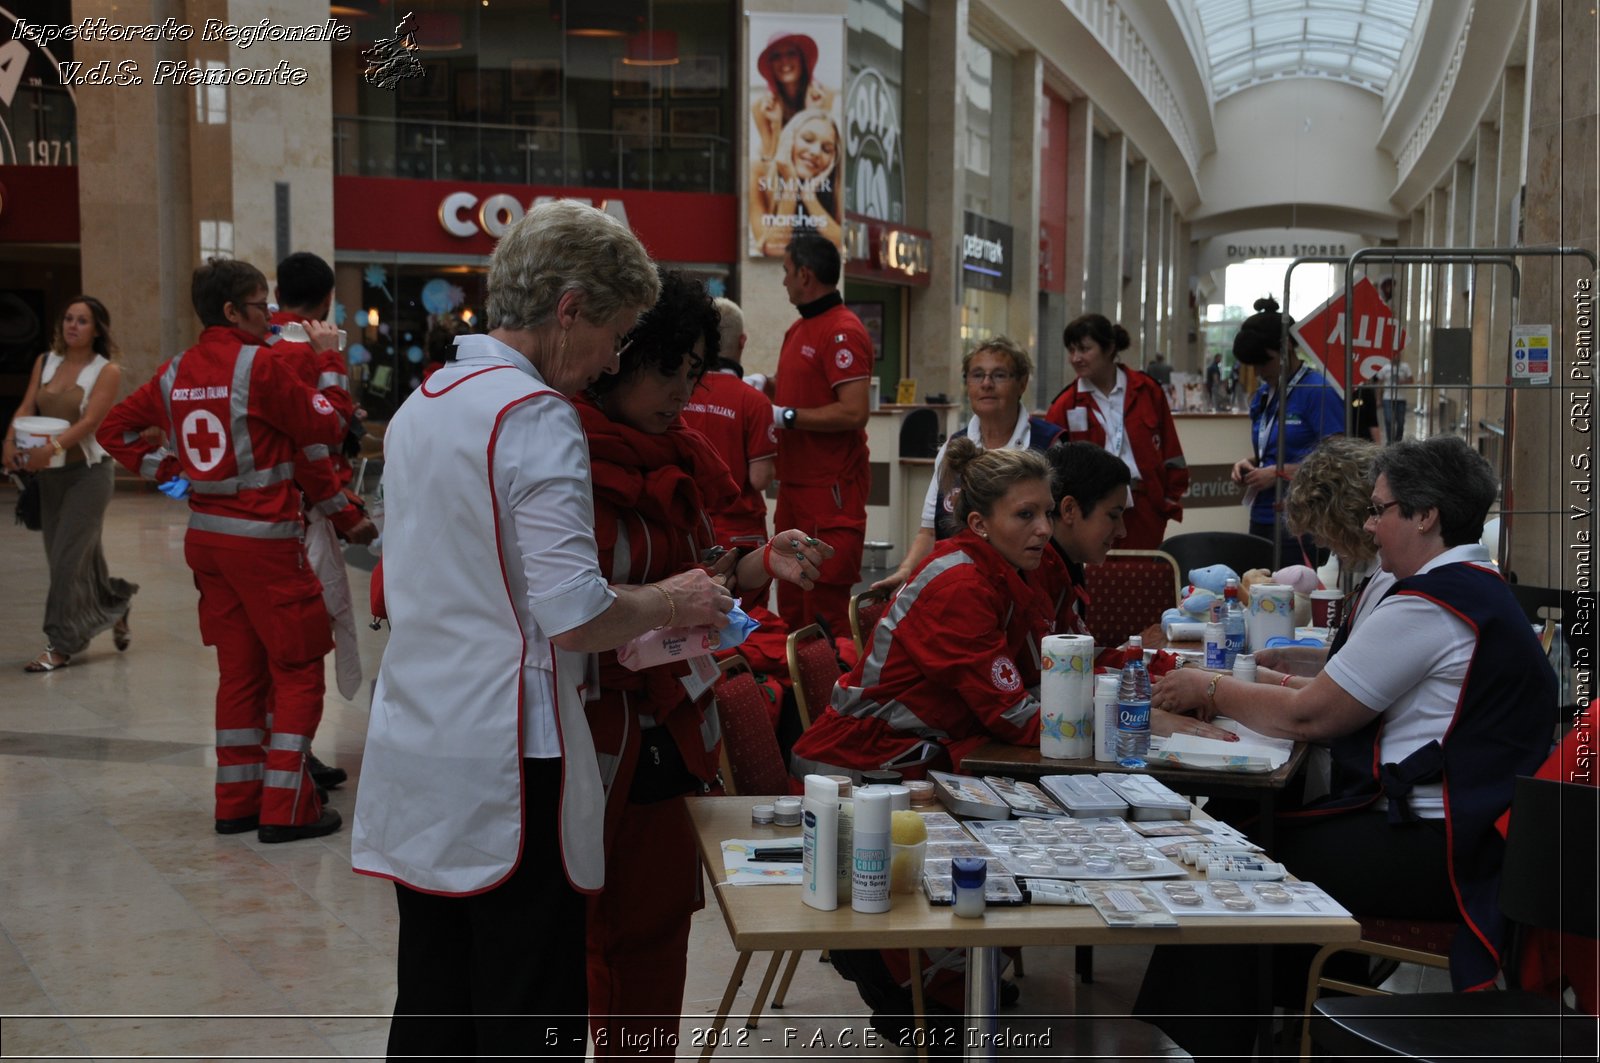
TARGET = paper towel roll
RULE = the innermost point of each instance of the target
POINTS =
(1271, 614)
(1105, 716)
(1066, 693)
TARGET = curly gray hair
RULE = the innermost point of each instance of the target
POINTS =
(565, 247)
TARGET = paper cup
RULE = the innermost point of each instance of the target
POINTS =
(34, 432)
(1066, 696)
(1326, 608)
(1271, 614)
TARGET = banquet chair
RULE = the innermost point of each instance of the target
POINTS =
(865, 610)
(1238, 550)
(813, 669)
(751, 764)
(1548, 881)
(1128, 592)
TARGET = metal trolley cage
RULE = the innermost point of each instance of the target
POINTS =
(1425, 412)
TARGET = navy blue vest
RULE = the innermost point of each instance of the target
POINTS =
(1502, 728)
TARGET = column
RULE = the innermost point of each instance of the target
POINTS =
(1114, 181)
(1080, 205)
(1027, 119)
(1136, 212)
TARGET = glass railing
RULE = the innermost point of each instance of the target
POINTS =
(530, 155)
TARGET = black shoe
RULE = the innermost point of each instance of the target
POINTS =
(323, 775)
(271, 833)
(238, 826)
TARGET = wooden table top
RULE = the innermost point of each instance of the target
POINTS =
(768, 918)
(1026, 762)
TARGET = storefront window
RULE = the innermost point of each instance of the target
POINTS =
(875, 43)
(988, 154)
(588, 93)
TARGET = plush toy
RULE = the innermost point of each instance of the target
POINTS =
(1205, 587)
(1301, 578)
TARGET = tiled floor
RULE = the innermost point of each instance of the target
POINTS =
(128, 928)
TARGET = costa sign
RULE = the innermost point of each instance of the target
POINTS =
(464, 215)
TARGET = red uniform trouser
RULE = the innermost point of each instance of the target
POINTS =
(1147, 528)
(836, 514)
(639, 930)
(263, 611)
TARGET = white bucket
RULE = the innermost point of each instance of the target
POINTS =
(38, 432)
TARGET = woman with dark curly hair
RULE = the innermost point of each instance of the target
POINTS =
(655, 484)
(76, 380)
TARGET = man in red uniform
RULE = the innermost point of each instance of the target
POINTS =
(737, 419)
(304, 292)
(820, 407)
(245, 429)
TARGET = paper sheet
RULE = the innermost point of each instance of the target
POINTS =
(743, 871)
(1253, 751)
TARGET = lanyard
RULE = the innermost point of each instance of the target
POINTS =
(1269, 416)
(1115, 425)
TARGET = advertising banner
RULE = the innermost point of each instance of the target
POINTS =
(796, 148)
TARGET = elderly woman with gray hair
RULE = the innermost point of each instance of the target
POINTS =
(1432, 706)
(480, 795)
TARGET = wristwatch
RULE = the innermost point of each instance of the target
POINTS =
(788, 417)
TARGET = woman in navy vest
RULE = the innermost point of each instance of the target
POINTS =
(1431, 708)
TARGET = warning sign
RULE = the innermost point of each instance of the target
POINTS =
(1530, 355)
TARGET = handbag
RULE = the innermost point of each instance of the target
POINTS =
(660, 773)
(29, 505)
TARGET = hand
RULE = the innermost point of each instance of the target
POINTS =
(176, 488)
(8, 454)
(362, 533)
(1292, 660)
(1241, 469)
(1261, 478)
(697, 599)
(35, 459)
(1181, 690)
(890, 583)
(818, 97)
(321, 335)
(153, 436)
(1165, 724)
(796, 558)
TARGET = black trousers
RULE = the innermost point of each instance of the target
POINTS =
(500, 973)
(1205, 997)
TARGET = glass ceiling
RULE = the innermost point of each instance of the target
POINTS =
(1245, 42)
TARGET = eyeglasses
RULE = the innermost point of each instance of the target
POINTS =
(999, 377)
(262, 305)
(1375, 510)
(619, 345)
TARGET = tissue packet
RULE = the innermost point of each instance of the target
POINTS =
(663, 646)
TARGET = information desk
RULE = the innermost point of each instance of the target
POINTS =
(773, 918)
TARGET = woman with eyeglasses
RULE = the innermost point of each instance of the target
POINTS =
(1431, 707)
(1126, 412)
(997, 373)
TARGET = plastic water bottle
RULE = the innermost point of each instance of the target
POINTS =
(1232, 622)
(1133, 708)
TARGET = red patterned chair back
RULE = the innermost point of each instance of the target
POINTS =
(865, 610)
(752, 763)
(814, 669)
(1129, 592)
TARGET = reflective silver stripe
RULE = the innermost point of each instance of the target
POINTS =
(608, 766)
(244, 454)
(283, 780)
(711, 727)
(294, 743)
(250, 529)
(167, 380)
(240, 736)
(233, 485)
(852, 701)
(150, 464)
(883, 634)
(329, 506)
(1019, 714)
(316, 452)
(800, 767)
(240, 772)
(333, 380)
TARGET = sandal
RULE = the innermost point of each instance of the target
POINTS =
(48, 661)
(120, 635)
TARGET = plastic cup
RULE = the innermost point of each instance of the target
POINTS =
(1325, 608)
(905, 867)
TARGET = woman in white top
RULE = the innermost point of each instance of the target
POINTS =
(76, 381)
(997, 373)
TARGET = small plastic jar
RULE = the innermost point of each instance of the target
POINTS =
(968, 878)
(921, 792)
(763, 815)
(786, 811)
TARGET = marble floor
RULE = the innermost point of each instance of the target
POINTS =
(129, 929)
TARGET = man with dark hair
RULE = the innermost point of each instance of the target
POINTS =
(820, 407)
(304, 291)
(245, 429)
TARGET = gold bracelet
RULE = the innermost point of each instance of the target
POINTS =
(1211, 691)
(672, 607)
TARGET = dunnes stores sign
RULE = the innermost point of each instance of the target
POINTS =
(877, 186)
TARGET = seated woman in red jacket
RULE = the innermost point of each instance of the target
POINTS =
(955, 660)
(655, 482)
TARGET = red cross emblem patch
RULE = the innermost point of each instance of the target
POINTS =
(1005, 675)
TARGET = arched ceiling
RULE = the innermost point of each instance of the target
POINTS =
(1241, 43)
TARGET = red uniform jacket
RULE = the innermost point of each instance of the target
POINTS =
(1152, 436)
(323, 371)
(650, 497)
(244, 429)
(737, 420)
(955, 661)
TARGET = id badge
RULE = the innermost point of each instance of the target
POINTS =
(1077, 419)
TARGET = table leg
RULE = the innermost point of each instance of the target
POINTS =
(983, 1002)
(761, 993)
(788, 976)
(721, 1019)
